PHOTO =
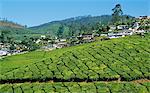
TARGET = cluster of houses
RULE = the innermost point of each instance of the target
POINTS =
(6, 51)
(125, 30)
(61, 43)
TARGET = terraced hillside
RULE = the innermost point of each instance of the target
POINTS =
(76, 87)
(109, 66)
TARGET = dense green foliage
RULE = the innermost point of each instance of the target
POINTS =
(75, 87)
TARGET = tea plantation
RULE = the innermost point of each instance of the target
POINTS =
(109, 66)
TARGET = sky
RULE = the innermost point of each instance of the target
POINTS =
(36, 12)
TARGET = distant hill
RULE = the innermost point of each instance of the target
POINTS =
(76, 25)
(15, 30)
(69, 27)
(76, 22)
(12, 27)
(5, 23)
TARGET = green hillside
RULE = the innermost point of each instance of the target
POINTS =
(16, 31)
(109, 66)
(71, 26)
(75, 25)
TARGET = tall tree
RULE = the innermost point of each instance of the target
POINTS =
(117, 13)
(60, 31)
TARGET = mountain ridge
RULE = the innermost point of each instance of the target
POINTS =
(77, 25)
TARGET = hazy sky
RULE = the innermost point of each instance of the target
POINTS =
(35, 12)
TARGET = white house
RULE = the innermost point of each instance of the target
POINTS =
(136, 25)
(103, 35)
(38, 41)
(43, 36)
(63, 40)
(60, 45)
(122, 27)
(128, 32)
(3, 53)
(140, 31)
(115, 35)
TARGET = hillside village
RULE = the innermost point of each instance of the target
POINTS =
(49, 44)
(122, 31)
(16, 39)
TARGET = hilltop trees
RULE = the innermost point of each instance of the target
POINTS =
(119, 19)
(117, 14)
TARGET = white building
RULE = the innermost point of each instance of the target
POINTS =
(3, 53)
(140, 31)
(38, 41)
(136, 25)
(103, 35)
(63, 40)
(120, 34)
(122, 27)
(43, 36)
